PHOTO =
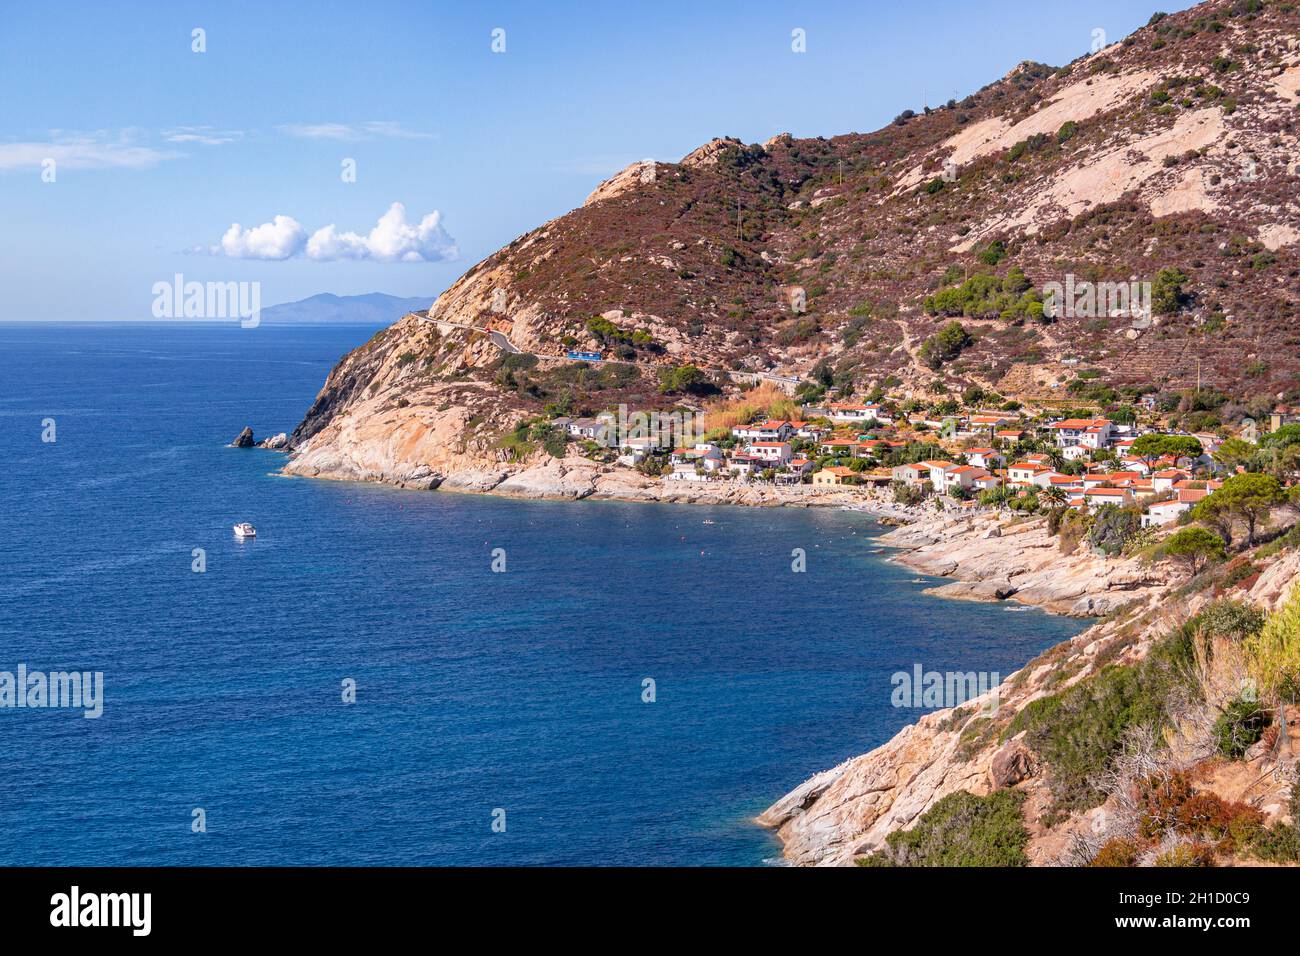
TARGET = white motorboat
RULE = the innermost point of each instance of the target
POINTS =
(245, 530)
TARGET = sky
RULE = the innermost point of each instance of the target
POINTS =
(465, 124)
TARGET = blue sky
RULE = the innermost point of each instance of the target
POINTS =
(159, 150)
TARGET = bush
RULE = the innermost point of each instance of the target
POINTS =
(1079, 731)
(1273, 655)
(1117, 852)
(1195, 547)
(685, 378)
(1113, 527)
(1187, 854)
(965, 830)
(1239, 727)
(1167, 295)
(945, 345)
(1280, 843)
(1233, 620)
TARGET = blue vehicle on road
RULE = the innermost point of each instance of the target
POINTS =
(585, 356)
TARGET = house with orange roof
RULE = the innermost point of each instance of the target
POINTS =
(1096, 497)
(844, 447)
(1164, 512)
(1067, 483)
(773, 452)
(771, 430)
(834, 475)
(696, 464)
(1090, 432)
(1165, 479)
(985, 457)
(913, 475)
(1029, 473)
(961, 477)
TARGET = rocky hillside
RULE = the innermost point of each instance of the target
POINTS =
(1169, 157)
(1134, 703)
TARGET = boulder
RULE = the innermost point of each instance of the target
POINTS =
(1012, 764)
(244, 439)
(275, 442)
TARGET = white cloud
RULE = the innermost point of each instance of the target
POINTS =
(204, 135)
(344, 131)
(99, 150)
(280, 238)
(393, 239)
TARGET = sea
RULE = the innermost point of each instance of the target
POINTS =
(386, 677)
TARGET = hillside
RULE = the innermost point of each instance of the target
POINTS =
(1146, 735)
(371, 308)
(1168, 158)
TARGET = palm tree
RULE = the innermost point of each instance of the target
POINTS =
(1054, 496)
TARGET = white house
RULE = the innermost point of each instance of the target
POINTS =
(1165, 480)
(963, 477)
(938, 470)
(772, 452)
(641, 446)
(848, 412)
(912, 475)
(1029, 473)
(985, 457)
(696, 464)
(771, 430)
(1096, 497)
(592, 429)
(1088, 432)
(1163, 512)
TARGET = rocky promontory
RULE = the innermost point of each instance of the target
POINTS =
(994, 558)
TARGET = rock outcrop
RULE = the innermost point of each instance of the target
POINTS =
(244, 439)
(995, 559)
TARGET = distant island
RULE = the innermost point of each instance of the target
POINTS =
(377, 308)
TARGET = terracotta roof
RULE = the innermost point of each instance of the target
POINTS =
(1080, 423)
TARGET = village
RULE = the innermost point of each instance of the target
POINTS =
(979, 461)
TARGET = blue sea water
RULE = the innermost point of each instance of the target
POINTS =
(476, 691)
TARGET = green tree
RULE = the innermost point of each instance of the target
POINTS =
(1194, 547)
(1151, 447)
(1167, 295)
(1235, 452)
(1250, 498)
(945, 345)
(683, 378)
